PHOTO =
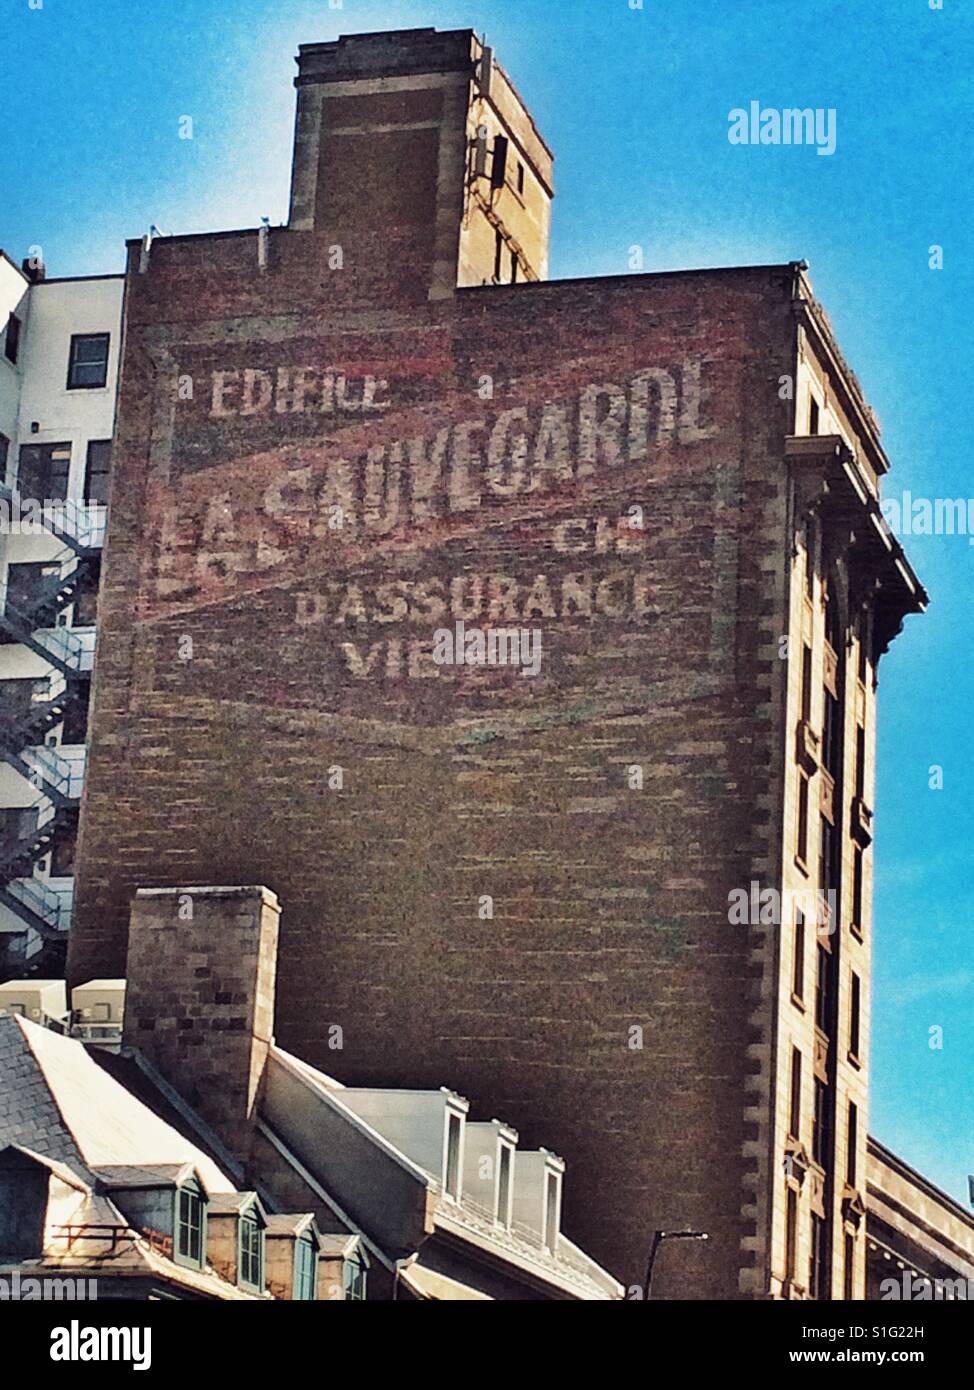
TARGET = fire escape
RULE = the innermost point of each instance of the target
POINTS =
(26, 725)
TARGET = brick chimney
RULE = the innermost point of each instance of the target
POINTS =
(200, 996)
(414, 145)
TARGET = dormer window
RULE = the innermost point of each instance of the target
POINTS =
(353, 1281)
(552, 1212)
(305, 1270)
(504, 1192)
(251, 1247)
(190, 1243)
(451, 1181)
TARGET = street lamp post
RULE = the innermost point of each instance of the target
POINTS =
(658, 1239)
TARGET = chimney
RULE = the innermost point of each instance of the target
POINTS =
(33, 269)
(200, 997)
(385, 160)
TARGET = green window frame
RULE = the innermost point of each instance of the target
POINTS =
(189, 1246)
(353, 1281)
(250, 1240)
(305, 1271)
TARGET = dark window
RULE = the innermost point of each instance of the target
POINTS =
(833, 631)
(498, 171)
(305, 1271)
(819, 1275)
(803, 818)
(24, 583)
(863, 649)
(813, 416)
(795, 1104)
(75, 728)
(453, 1156)
(810, 561)
(850, 1265)
(826, 856)
(251, 1252)
(189, 1224)
(820, 1125)
(823, 989)
(42, 471)
(806, 683)
(860, 761)
(514, 267)
(88, 361)
(857, 863)
(11, 343)
(498, 255)
(16, 823)
(798, 961)
(520, 177)
(831, 735)
(97, 468)
(86, 604)
(852, 1139)
(4, 451)
(854, 1020)
(504, 1187)
(791, 1234)
(62, 850)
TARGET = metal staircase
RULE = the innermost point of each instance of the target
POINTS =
(36, 623)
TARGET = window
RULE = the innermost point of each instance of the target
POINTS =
(807, 683)
(551, 1213)
(857, 866)
(831, 735)
(802, 850)
(798, 960)
(791, 1234)
(11, 342)
(189, 1224)
(514, 267)
(97, 466)
(850, 1265)
(75, 727)
(863, 649)
(820, 1125)
(854, 1005)
(498, 169)
(42, 471)
(819, 1274)
(62, 849)
(251, 1252)
(305, 1271)
(833, 627)
(88, 361)
(4, 451)
(823, 989)
(826, 856)
(520, 177)
(504, 1188)
(852, 1139)
(813, 415)
(353, 1281)
(809, 562)
(25, 582)
(452, 1182)
(498, 256)
(795, 1110)
(860, 762)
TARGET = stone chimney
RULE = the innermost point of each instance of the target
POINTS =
(412, 145)
(200, 997)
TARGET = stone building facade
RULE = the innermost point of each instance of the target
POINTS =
(615, 883)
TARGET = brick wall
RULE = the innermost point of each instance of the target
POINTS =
(250, 649)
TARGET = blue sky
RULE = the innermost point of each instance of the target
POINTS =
(635, 105)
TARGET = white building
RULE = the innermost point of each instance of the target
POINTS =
(59, 350)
